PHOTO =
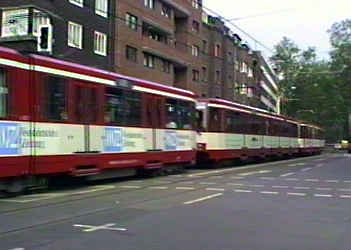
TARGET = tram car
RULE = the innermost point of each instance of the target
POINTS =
(60, 118)
(232, 131)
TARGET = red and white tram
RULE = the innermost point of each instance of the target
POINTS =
(60, 118)
(233, 131)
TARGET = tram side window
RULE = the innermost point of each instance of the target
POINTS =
(172, 120)
(3, 94)
(123, 107)
(186, 111)
(214, 123)
(258, 125)
(56, 105)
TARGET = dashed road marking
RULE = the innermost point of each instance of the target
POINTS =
(312, 180)
(202, 199)
(255, 172)
(185, 188)
(287, 174)
(347, 181)
(187, 182)
(323, 195)
(215, 189)
(323, 189)
(235, 184)
(306, 188)
(332, 181)
(158, 188)
(216, 177)
(237, 177)
(319, 165)
(255, 185)
(291, 179)
(345, 196)
(297, 194)
(207, 183)
(163, 182)
(268, 192)
(305, 169)
(344, 190)
(130, 187)
(280, 186)
(242, 191)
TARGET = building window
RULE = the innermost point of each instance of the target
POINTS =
(217, 50)
(204, 74)
(75, 33)
(166, 66)
(196, 3)
(149, 61)
(195, 50)
(100, 43)
(3, 94)
(131, 53)
(151, 32)
(149, 3)
(250, 72)
(218, 76)
(39, 18)
(166, 11)
(15, 22)
(196, 26)
(77, 2)
(196, 75)
(131, 21)
(204, 46)
(101, 7)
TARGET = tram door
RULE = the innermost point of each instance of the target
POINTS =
(154, 118)
(86, 111)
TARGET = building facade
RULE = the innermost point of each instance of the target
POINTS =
(77, 30)
(171, 42)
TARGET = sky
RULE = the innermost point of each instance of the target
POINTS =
(304, 21)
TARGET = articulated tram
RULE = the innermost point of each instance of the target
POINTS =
(64, 119)
(59, 118)
(230, 131)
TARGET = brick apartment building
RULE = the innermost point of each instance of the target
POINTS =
(82, 30)
(172, 42)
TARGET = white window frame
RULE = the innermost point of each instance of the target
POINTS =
(195, 4)
(195, 50)
(101, 7)
(71, 37)
(149, 61)
(100, 43)
(149, 4)
(79, 3)
(39, 19)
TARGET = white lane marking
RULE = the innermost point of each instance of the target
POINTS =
(332, 181)
(131, 187)
(345, 196)
(235, 184)
(158, 188)
(347, 181)
(177, 175)
(323, 195)
(255, 172)
(319, 165)
(291, 179)
(301, 164)
(268, 192)
(108, 226)
(297, 194)
(305, 169)
(322, 159)
(185, 188)
(287, 174)
(237, 177)
(302, 188)
(323, 189)
(242, 191)
(280, 186)
(312, 180)
(255, 185)
(36, 197)
(267, 178)
(18, 248)
(292, 165)
(98, 188)
(215, 189)
(203, 198)
(207, 183)
(163, 182)
(137, 181)
(344, 190)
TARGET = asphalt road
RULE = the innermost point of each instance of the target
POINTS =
(302, 203)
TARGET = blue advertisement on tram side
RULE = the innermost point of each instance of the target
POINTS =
(170, 140)
(113, 142)
(10, 139)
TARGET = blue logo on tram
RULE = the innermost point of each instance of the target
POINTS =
(10, 139)
(171, 140)
(113, 142)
